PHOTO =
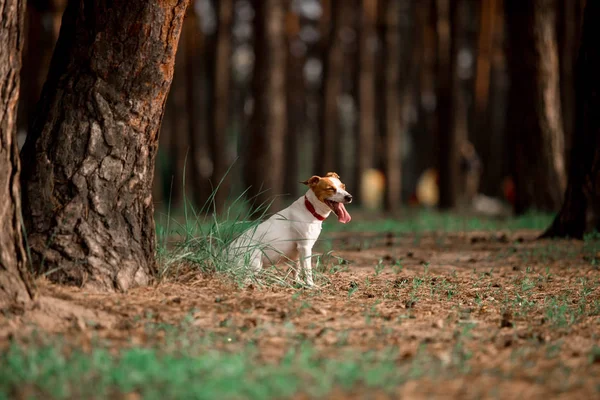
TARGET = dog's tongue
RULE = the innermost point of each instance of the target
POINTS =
(341, 213)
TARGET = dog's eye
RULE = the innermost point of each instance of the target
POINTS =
(331, 188)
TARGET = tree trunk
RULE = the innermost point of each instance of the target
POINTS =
(295, 59)
(398, 16)
(580, 212)
(490, 97)
(327, 152)
(367, 130)
(219, 103)
(42, 24)
(264, 167)
(199, 159)
(423, 138)
(15, 283)
(346, 104)
(568, 38)
(90, 154)
(535, 123)
(450, 136)
(497, 169)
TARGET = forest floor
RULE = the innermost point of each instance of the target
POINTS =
(472, 314)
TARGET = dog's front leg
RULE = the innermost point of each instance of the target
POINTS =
(305, 253)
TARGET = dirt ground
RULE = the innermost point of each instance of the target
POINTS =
(501, 315)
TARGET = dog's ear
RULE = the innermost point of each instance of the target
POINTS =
(332, 175)
(312, 181)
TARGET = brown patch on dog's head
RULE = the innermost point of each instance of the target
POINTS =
(324, 187)
(312, 181)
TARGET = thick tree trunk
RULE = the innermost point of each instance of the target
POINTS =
(264, 168)
(15, 283)
(398, 36)
(534, 115)
(580, 212)
(367, 126)
(219, 103)
(89, 158)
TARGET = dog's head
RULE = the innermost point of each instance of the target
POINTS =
(330, 190)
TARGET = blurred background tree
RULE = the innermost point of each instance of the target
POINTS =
(457, 104)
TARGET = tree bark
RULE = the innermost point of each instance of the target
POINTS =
(535, 123)
(16, 288)
(367, 124)
(264, 168)
(89, 158)
(580, 212)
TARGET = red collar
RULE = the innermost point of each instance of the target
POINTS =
(311, 209)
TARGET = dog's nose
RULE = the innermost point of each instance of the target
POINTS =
(348, 198)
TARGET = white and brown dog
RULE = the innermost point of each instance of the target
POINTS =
(290, 234)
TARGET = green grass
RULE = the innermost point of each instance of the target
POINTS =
(58, 372)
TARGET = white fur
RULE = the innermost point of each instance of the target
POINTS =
(287, 236)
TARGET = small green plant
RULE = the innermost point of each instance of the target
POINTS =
(353, 287)
(558, 312)
(379, 267)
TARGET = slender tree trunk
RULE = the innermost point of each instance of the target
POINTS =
(346, 104)
(327, 152)
(367, 123)
(219, 104)
(498, 166)
(569, 30)
(264, 169)
(296, 114)
(488, 135)
(42, 24)
(426, 149)
(534, 115)
(199, 160)
(580, 212)
(89, 158)
(15, 283)
(450, 135)
(396, 60)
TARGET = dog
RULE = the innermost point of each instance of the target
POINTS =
(290, 234)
